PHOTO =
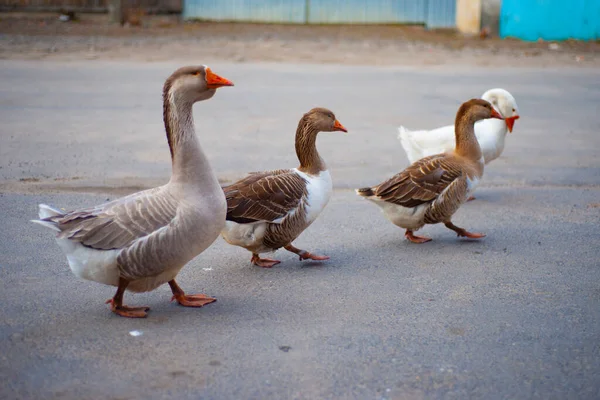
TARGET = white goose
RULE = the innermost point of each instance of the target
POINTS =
(490, 133)
(141, 241)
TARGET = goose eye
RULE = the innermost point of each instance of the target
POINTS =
(196, 73)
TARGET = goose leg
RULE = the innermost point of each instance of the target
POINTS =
(305, 255)
(263, 262)
(463, 232)
(414, 238)
(116, 303)
(189, 300)
(471, 198)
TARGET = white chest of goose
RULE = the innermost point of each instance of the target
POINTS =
(142, 241)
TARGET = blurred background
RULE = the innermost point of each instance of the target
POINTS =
(523, 19)
(386, 30)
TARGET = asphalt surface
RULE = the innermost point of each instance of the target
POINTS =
(515, 315)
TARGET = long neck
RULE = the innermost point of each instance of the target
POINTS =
(306, 148)
(466, 141)
(189, 162)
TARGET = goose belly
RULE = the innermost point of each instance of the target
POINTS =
(90, 264)
(404, 217)
(101, 266)
(248, 236)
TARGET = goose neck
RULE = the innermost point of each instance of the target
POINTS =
(306, 148)
(466, 141)
(188, 159)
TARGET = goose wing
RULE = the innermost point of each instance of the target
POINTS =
(422, 182)
(117, 224)
(265, 196)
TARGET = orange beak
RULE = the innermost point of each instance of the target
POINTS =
(214, 81)
(496, 114)
(339, 127)
(510, 122)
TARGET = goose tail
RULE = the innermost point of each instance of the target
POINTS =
(46, 212)
(365, 192)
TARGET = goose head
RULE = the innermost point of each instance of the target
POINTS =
(477, 109)
(505, 104)
(194, 83)
(323, 120)
(464, 126)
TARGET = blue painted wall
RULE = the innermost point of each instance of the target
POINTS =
(441, 14)
(367, 11)
(432, 13)
(290, 11)
(550, 19)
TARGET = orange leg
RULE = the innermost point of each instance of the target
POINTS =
(189, 300)
(471, 198)
(305, 255)
(462, 232)
(263, 262)
(116, 303)
(415, 239)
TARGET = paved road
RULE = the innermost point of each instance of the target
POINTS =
(516, 315)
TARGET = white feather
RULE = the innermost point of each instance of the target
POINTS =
(318, 188)
(404, 217)
(249, 236)
(471, 185)
(47, 224)
(91, 264)
(45, 211)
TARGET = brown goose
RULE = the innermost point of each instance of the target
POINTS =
(141, 241)
(432, 189)
(269, 210)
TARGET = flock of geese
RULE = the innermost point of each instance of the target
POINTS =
(142, 241)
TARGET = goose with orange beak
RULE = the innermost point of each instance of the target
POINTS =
(269, 210)
(490, 133)
(432, 189)
(141, 241)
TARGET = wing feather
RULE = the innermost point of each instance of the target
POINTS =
(422, 182)
(265, 196)
(117, 224)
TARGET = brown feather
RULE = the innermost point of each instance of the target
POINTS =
(422, 182)
(266, 196)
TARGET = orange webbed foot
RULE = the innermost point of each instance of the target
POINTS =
(193, 300)
(463, 232)
(470, 235)
(128, 312)
(305, 255)
(264, 262)
(416, 239)
(471, 198)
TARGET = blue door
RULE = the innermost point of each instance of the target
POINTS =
(550, 19)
